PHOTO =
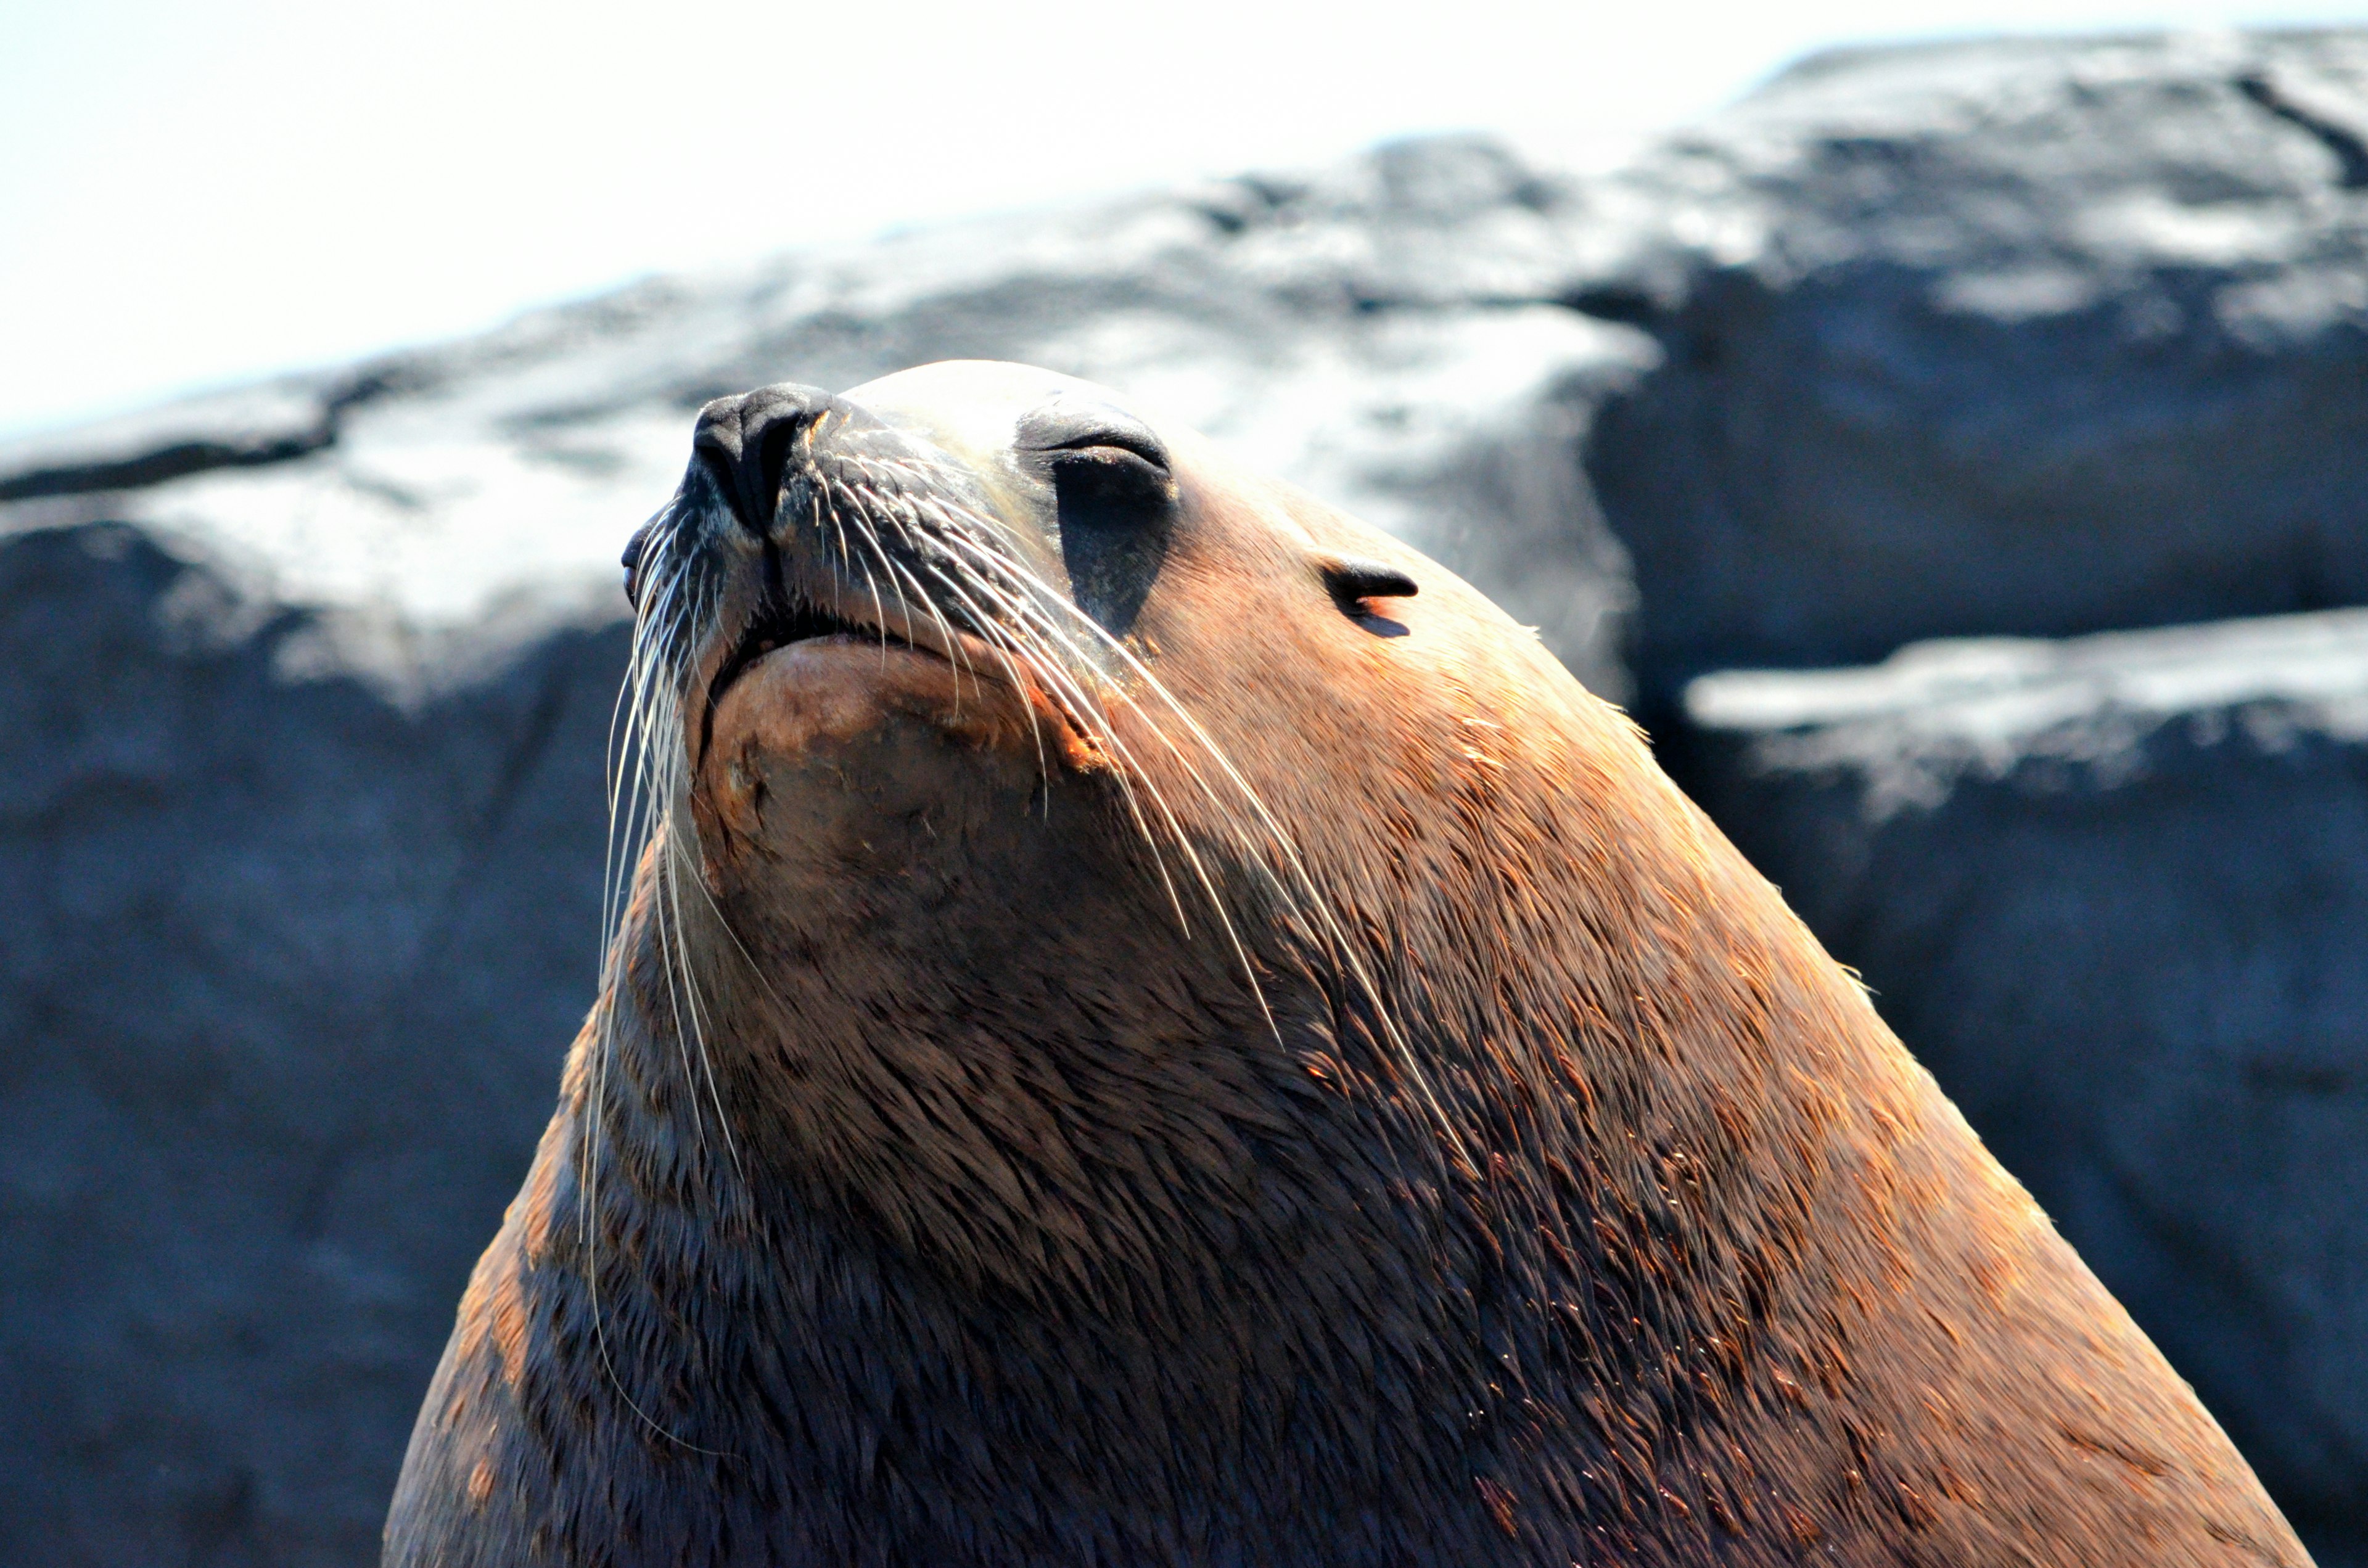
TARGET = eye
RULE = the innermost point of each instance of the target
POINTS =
(1101, 483)
(1115, 509)
(1095, 443)
(1116, 503)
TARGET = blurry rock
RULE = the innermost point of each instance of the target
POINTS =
(1384, 334)
(2028, 338)
(2114, 892)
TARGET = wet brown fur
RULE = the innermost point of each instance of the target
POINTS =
(1043, 1236)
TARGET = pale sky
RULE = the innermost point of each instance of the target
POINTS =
(193, 193)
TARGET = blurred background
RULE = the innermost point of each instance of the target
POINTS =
(1951, 444)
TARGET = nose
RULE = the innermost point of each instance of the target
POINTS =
(745, 441)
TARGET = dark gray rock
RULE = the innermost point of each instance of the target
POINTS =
(2114, 892)
(290, 967)
(2018, 338)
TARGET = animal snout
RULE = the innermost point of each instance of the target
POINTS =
(748, 442)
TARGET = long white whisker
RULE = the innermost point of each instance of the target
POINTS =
(1090, 717)
(1307, 895)
(954, 655)
(635, 792)
(1011, 673)
(673, 853)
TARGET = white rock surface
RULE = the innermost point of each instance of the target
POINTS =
(1383, 334)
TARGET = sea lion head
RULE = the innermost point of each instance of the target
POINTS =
(1045, 798)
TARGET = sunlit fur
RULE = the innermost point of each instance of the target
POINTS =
(1242, 1089)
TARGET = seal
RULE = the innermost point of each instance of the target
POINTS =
(1152, 1025)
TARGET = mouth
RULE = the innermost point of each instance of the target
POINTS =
(787, 617)
(912, 653)
(779, 622)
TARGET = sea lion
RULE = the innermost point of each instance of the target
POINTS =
(1155, 1026)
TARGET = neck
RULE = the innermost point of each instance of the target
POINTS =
(730, 1320)
(735, 1280)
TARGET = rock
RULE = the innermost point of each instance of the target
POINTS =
(2114, 892)
(1385, 335)
(2034, 336)
(2025, 337)
(290, 967)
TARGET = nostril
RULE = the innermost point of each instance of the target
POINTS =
(772, 457)
(720, 453)
(747, 443)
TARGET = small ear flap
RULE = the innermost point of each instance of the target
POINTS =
(1352, 581)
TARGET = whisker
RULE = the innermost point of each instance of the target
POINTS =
(953, 649)
(1307, 897)
(637, 785)
(880, 613)
(1019, 684)
(671, 856)
(1087, 714)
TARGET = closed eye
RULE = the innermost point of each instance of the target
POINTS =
(1100, 476)
(1114, 511)
(1092, 432)
(1112, 444)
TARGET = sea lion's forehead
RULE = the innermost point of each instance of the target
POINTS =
(972, 409)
